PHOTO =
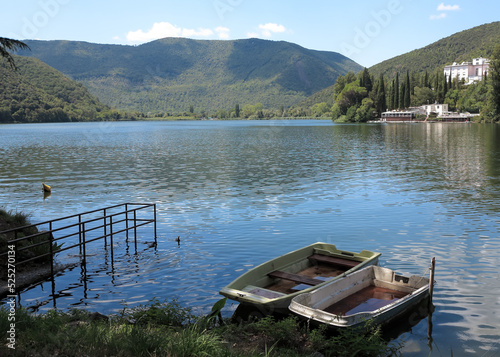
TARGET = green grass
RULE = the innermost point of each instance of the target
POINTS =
(167, 329)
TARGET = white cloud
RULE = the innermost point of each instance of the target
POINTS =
(268, 29)
(166, 29)
(197, 33)
(222, 32)
(443, 7)
(159, 30)
(438, 17)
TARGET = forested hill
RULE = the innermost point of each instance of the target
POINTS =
(39, 93)
(173, 74)
(462, 46)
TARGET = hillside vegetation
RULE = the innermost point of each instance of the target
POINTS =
(39, 93)
(175, 74)
(462, 46)
(414, 79)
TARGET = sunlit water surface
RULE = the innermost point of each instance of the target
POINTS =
(239, 193)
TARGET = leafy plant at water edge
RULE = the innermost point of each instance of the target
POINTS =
(364, 341)
(159, 313)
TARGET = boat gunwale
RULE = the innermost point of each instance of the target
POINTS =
(365, 257)
(358, 318)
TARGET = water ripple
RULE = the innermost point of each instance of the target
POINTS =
(240, 193)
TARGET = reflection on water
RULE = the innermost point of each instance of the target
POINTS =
(240, 193)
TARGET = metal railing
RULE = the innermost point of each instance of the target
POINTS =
(91, 226)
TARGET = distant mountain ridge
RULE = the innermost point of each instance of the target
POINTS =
(172, 74)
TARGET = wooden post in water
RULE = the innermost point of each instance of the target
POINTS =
(431, 280)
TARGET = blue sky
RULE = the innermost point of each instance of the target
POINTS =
(367, 31)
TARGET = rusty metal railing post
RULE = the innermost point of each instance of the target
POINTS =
(111, 233)
(126, 222)
(51, 249)
(80, 233)
(105, 231)
(84, 246)
(154, 205)
(135, 229)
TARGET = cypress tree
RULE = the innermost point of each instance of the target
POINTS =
(407, 90)
(366, 80)
(381, 98)
(426, 80)
(436, 88)
(495, 82)
(392, 104)
(445, 86)
(402, 95)
(396, 92)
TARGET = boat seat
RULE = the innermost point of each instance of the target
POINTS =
(270, 294)
(346, 263)
(295, 278)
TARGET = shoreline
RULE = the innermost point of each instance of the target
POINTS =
(30, 277)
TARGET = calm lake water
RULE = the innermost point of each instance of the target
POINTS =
(239, 193)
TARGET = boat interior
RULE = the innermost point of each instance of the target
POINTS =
(314, 270)
(379, 288)
(368, 299)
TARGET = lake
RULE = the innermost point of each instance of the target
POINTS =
(238, 193)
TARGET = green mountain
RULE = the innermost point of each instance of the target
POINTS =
(39, 93)
(323, 96)
(172, 74)
(462, 46)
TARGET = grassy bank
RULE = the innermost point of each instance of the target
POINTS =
(40, 242)
(167, 329)
(18, 261)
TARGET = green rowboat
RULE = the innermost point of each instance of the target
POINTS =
(269, 287)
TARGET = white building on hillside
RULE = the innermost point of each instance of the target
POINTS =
(438, 109)
(470, 72)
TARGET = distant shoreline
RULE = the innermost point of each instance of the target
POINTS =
(176, 119)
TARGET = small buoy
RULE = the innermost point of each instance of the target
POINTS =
(46, 188)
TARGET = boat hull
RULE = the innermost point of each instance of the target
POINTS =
(260, 286)
(352, 301)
